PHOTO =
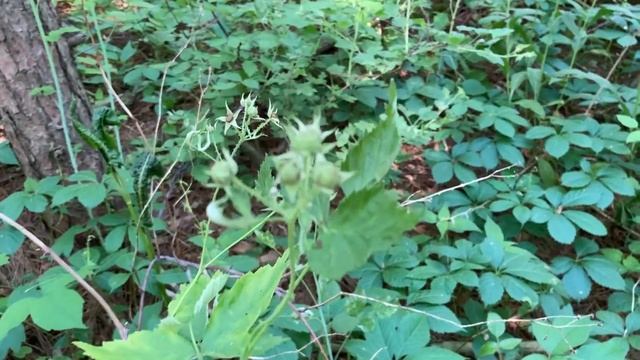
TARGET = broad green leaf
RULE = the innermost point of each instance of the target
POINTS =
(577, 283)
(366, 221)
(401, 334)
(434, 353)
(627, 40)
(540, 132)
(561, 229)
(7, 156)
(15, 314)
(519, 290)
(575, 179)
(372, 157)
(522, 214)
(528, 267)
(495, 324)
(443, 319)
(603, 272)
(556, 146)
(238, 309)
(59, 308)
(114, 239)
(627, 121)
(558, 338)
(532, 105)
(156, 344)
(612, 349)
(10, 239)
(586, 222)
(442, 172)
(490, 288)
(633, 136)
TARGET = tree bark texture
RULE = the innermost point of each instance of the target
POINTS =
(32, 123)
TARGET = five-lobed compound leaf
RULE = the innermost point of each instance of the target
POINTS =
(401, 334)
(366, 221)
(229, 329)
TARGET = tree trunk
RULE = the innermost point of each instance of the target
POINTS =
(32, 122)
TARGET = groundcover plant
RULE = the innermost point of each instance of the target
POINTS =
(334, 179)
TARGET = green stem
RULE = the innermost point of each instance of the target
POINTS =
(56, 84)
(264, 325)
(107, 68)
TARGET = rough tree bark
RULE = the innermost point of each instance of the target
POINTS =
(32, 123)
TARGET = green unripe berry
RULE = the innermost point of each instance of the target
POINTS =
(307, 139)
(327, 175)
(223, 171)
(289, 173)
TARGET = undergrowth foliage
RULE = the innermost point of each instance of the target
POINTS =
(284, 128)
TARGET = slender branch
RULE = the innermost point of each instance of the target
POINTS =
(540, 320)
(47, 250)
(609, 75)
(431, 196)
(122, 105)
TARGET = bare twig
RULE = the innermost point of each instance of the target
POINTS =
(431, 196)
(314, 337)
(47, 250)
(609, 75)
(540, 320)
(122, 105)
(164, 78)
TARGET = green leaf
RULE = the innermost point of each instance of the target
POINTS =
(561, 229)
(374, 154)
(401, 334)
(114, 239)
(519, 290)
(434, 353)
(612, 349)
(238, 309)
(91, 195)
(495, 324)
(10, 239)
(633, 137)
(575, 179)
(556, 146)
(526, 266)
(7, 156)
(59, 308)
(603, 272)
(490, 288)
(532, 105)
(627, 121)
(14, 315)
(627, 40)
(577, 283)
(504, 127)
(586, 222)
(522, 214)
(557, 338)
(539, 132)
(366, 221)
(156, 344)
(442, 172)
